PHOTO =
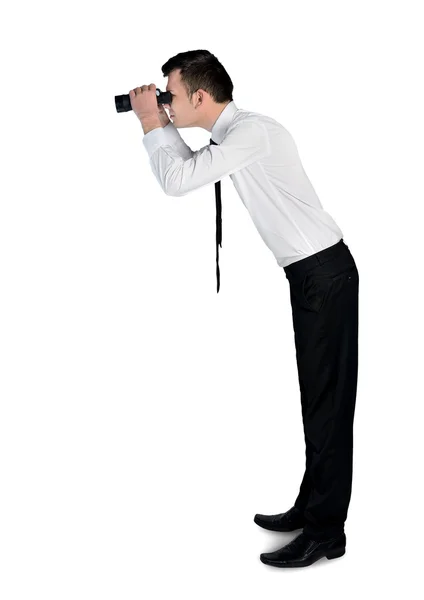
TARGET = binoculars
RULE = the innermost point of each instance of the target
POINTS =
(123, 102)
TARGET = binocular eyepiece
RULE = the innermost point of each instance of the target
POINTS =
(123, 102)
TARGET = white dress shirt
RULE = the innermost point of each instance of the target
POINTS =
(262, 160)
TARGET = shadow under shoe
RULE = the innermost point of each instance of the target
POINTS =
(289, 521)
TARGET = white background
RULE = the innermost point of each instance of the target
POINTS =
(145, 418)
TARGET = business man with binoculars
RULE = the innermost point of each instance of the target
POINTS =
(261, 159)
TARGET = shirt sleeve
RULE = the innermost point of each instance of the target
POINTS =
(173, 138)
(178, 173)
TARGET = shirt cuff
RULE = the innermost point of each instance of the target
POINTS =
(161, 136)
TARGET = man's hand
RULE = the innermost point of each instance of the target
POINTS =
(164, 119)
(144, 104)
(144, 101)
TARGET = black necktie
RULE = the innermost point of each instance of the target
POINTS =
(218, 221)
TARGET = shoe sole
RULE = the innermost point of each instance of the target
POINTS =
(334, 553)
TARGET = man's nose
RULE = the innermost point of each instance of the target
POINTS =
(168, 106)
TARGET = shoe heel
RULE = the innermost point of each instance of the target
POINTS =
(335, 553)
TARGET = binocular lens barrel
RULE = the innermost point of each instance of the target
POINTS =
(123, 102)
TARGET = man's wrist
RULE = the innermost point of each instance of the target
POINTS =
(150, 123)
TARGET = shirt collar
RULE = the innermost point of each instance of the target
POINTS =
(223, 121)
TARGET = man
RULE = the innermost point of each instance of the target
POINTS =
(262, 160)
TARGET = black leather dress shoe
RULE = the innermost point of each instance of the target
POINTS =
(288, 521)
(303, 551)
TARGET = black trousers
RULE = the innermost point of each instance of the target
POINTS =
(324, 295)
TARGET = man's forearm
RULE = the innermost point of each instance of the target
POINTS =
(150, 123)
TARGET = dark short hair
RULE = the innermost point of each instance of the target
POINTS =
(201, 70)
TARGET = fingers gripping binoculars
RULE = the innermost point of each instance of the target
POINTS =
(123, 102)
